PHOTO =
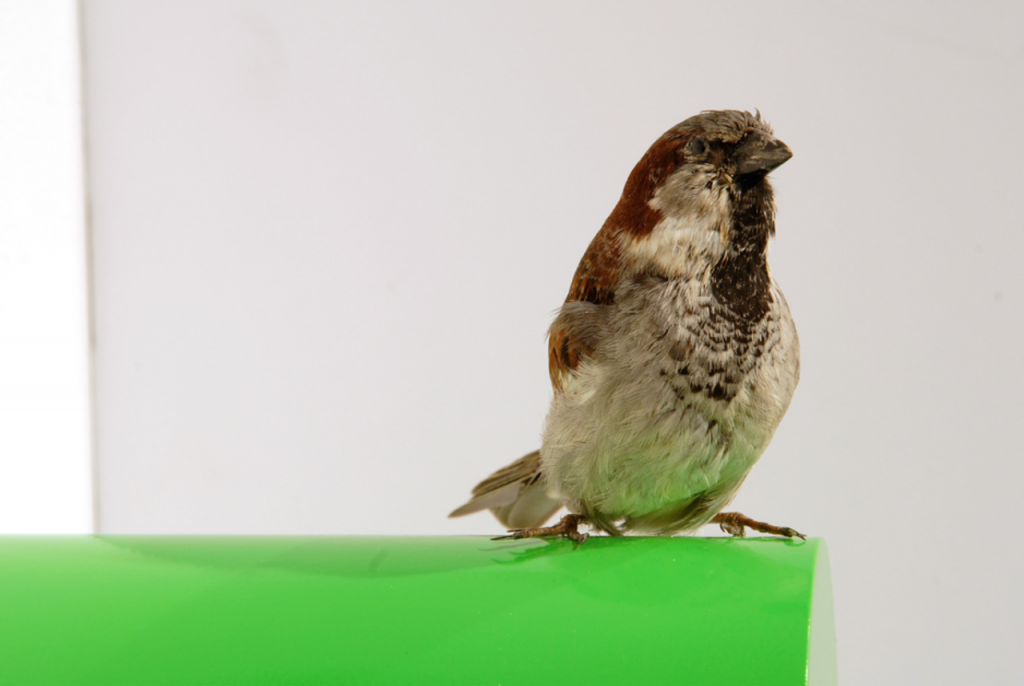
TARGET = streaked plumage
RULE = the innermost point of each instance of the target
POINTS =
(674, 357)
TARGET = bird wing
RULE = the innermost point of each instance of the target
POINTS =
(517, 494)
(573, 333)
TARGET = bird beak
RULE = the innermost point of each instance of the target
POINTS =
(760, 152)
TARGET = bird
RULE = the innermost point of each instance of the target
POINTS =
(674, 356)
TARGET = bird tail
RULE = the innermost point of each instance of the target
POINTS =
(517, 495)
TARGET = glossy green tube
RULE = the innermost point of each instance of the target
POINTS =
(413, 610)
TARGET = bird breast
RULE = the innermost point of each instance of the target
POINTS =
(679, 398)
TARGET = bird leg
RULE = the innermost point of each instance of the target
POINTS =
(567, 528)
(733, 523)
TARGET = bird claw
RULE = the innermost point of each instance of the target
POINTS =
(791, 533)
(735, 524)
(566, 528)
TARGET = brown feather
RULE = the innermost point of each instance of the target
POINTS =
(601, 268)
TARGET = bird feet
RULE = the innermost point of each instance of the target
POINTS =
(733, 523)
(567, 528)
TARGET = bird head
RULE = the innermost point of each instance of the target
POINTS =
(699, 195)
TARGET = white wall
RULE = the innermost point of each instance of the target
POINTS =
(45, 471)
(328, 238)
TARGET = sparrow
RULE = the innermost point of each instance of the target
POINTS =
(674, 356)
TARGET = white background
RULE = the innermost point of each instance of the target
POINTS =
(45, 484)
(328, 239)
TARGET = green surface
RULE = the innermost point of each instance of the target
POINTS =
(395, 610)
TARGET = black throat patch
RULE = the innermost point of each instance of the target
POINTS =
(740, 281)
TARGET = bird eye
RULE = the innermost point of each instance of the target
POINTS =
(696, 147)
